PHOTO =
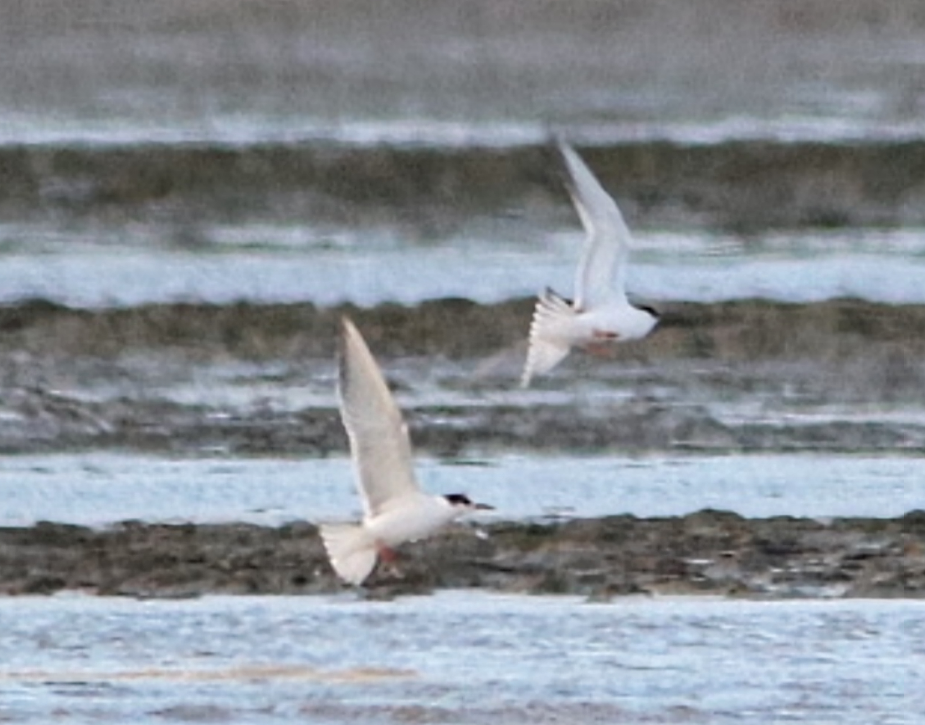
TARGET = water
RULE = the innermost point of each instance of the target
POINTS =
(873, 265)
(102, 488)
(449, 657)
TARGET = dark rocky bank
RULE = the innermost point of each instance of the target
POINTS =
(704, 553)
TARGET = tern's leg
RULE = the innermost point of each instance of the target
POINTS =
(599, 345)
(389, 558)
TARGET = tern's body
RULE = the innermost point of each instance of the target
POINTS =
(600, 312)
(395, 508)
(410, 518)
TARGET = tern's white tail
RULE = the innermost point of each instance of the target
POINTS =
(352, 553)
(551, 333)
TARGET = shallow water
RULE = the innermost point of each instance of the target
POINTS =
(460, 657)
(102, 488)
(803, 266)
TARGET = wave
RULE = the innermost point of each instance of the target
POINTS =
(244, 131)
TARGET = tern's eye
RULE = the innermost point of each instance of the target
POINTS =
(458, 499)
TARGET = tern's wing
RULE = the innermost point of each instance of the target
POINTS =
(600, 273)
(379, 442)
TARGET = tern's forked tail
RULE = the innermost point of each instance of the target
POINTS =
(350, 551)
(551, 333)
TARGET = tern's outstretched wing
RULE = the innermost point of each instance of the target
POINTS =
(600, 273)
(379, 442)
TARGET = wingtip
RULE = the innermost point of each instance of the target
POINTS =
(556, 136)
(346, 329)
(349, 337)
(559, 146)
(356, 364)
(569, 155)
(562, 144)
(346, 326)
(569, 164)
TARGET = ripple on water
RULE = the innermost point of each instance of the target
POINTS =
(464, 655)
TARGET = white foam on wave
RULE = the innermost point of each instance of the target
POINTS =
(244, 130)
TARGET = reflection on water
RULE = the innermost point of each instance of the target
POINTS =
(461, 657)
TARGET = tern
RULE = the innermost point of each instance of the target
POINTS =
(601, 312)
(395, 509)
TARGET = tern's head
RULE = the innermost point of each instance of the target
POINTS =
(462, 503)
(642, 322)
(652, 312)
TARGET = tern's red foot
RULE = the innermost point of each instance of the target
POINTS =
(388, 555)
(599, 346)
(389, 558)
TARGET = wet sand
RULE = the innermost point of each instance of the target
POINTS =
(708, 552)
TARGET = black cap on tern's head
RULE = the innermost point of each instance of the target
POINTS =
(463, 501)
(651, 310)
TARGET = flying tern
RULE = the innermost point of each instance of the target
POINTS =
(600, 312)
(395, 509)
